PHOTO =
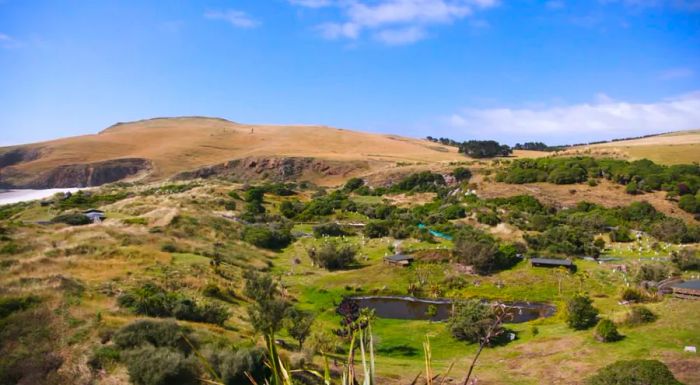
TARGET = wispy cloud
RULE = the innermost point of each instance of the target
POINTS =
(236, 18)
(393, 21)
(312, 3)
(7, 41)
(689, 5)
(602, 118)
(676, 73)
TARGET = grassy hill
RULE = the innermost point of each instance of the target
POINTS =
(672, 148)
(169, 146)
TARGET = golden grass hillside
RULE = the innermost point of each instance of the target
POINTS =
(173, 145)
(672, 148)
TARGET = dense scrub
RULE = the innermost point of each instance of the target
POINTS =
(638, 176)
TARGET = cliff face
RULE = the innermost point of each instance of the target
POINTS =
(75, 175)
(276, 169)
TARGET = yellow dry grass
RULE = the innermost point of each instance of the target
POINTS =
(673, 148)
(179, 144)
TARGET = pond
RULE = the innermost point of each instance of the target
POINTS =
(411, 308)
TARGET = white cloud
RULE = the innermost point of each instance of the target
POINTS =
(311, 3)
(7, 41)
(393, 21)
(234, 17)
(676, 73)
(604, 118)
(400, 36)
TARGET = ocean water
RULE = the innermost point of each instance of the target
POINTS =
(23, 195)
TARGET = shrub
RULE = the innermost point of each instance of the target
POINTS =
(330, 229)
(231, 365)
(632, 295)
(376, 229)
(353, 184)
(230, 205)
(72, 219)
(686, 259)
(149, 365)
(461, 174)
(488, 218)
(689, 203)
(640, 315)
(102, 357)
(470, 320)
(267, 237)
(154, 301)
(580, 313)
(160, 334)
(168, 248)
(476, 248)
(654, 272)
(634, 372)
(13, 304)
(332, 256)
(606, 331)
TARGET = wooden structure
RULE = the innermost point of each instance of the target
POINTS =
(551, 262)
(95, 215)
(687, 290)
(399, 260)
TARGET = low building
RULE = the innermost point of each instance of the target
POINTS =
(399, 259)
(687, 290)
(551, 262)
(95, 215)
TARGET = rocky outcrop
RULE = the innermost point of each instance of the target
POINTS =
(275, 169)
(75, 175)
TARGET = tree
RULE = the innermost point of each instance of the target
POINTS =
(480, 250)
(376, 229)
(431, 311)
(299, 324)
(267, 311)
(686, 259)
(353, 184)
(470, 320)
(606, 331)
(689, 203)
(580, 313)
(330, 229)
(461, 174)
(272, 236)
(332, 256)
(632, 188)
(634, 372)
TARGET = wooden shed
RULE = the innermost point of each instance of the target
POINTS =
(399, 259)
(687, 290)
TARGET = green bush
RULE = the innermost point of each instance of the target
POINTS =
(632, 295)
(480, 250)
(686, 259)
(154, 301)
(330, 229)
(606, 331)
(149, 365)
(160, 334)
(640, 315)
(689, 203)
(470, 320)
(376, 229)
(580, 313)
(233, 367)
(72, 219)
(353, 184)
(10, 305)
(102, 357)
(488, 218)
(634, 372)
(267, 236)
(461, 174)
(332, 256)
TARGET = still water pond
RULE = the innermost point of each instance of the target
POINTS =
(415, 308)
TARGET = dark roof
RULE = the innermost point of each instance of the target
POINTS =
(695, 285)
(399, 257)
(88, 211)
(551, 261)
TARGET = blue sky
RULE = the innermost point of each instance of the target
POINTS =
(556, 71)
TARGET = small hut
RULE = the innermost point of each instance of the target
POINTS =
(551, 262)
(687, 290)
(399, 260)
(95, 215)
